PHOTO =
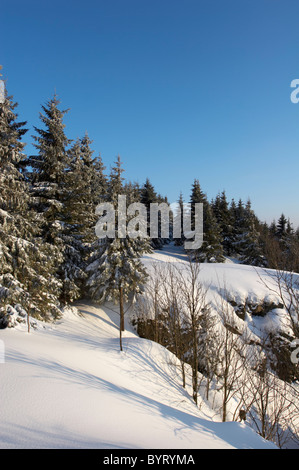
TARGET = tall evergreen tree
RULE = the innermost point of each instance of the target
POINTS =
(233, 210)
(132, 192)
(78, 218)
(197, 197)
(99, 184)
(239, 226)
(281, 229)
(179, 220)
(211, 249)
(286, 237)
(116, 181)
(87, 187)
(148, 197)
(51, 192)
(248, 242)
(117, 272)
(26, 270)
(49, 170)
(224, 221)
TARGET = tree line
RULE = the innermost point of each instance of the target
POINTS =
(50, 255)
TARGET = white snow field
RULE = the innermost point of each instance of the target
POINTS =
(67, 385)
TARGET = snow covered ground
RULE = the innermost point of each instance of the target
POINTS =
(68, 385)
(243, 284)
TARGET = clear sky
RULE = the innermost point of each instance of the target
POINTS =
(180, 89)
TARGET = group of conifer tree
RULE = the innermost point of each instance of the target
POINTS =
(232, 229)
(49, 252)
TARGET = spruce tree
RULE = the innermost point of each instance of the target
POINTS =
(179, 220)
(281, 229)
(197, 197)
(117, 273)
(49, 170)
(26, 270)
(99, 183)
(249, 243)
(239, 227)
(76, 222)
(286, 236)
(116, 181)
(51, 193)
(224, 221)
(211, 249)
(87, 187)
(234, 230)
(132, 192)
(148, 197)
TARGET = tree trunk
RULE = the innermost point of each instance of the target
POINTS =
(183, 374)
(122, 316)
(195, 357)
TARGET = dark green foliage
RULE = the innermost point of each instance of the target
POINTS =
(149, 196)
(225, 220)
(247, 243)
(180, 221)
(211, 249)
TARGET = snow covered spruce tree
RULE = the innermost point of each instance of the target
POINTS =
(132, 191)
(86, 185)
(179, 220)
(75, 220)
(233, 215)
(149, 196)
(81, 180)
(49, 170)
(248, 243)
(117, 273)
(52, 194)
(211, 250)
(225, 222)
(288, 245)
(27, 283)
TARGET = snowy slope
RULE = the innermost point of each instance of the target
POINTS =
(68, 386)
(243, 283)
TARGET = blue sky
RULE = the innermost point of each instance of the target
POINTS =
(179, 89)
